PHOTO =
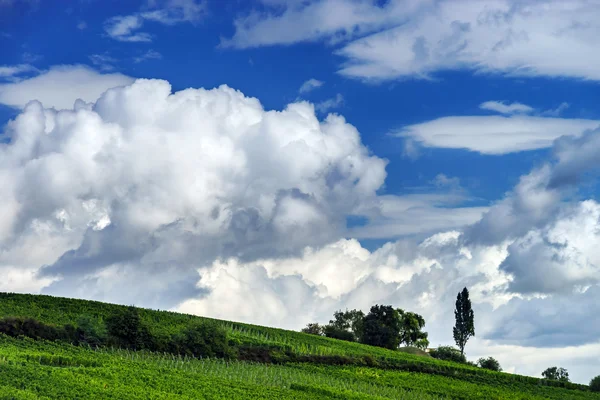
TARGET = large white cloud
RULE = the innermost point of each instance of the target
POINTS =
(61, 86)
(400, 38)
(143, 177)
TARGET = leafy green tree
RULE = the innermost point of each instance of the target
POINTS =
(556, 374)
(313, 328)
(410, 329)
(381, 327)
(489, 363)
(345, 325)
(595, 384)
(465, 324)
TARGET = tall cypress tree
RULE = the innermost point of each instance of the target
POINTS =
(465, 324)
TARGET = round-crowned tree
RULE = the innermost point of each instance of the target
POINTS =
(595, 384)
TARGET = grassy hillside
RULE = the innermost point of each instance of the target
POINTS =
(297, 366)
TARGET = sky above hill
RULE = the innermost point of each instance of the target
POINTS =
(276, 160)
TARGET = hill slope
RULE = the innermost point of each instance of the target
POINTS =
(294, 365)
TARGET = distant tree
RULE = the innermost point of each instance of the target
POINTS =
(489, 363)
(595, 384)
(448, 353)
(125, 329)
(345, 325)
(410, 329)
(465, 324)
(381, 327)
(203, 339)
(313, 328)
(556, 374)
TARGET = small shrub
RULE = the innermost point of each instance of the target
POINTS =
(595, 384)
(489, 363)
(448, 353)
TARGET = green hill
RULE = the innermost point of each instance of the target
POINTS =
(266, 363)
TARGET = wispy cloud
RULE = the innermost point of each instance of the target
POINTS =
(149, 55)
(329, 104)
(502, 108)
(125, 28)
(122, 28)
(556, 112)
(14, 72)
(103, 61)
(310, 85)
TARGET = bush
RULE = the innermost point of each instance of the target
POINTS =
(203, 339)
(34, 329)
(448, 353)
(332, 332)
(489, 363)
(595, 384)
(125, 329)
(92, 331)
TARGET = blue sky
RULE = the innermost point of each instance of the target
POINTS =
(468, 157)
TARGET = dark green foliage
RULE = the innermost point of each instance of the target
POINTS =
(92, 331)
(313, 329)
(595, 384)
(203, 339)
(556, 374)
(489, 363)
(34, 329)
(381, 327)
(334, 332)
(410, 330)
(125, 329)
(448, 353)
(465, 324)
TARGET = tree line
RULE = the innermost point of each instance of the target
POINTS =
(389, 327)
(384, 326)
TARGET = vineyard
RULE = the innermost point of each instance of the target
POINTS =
(305, 366)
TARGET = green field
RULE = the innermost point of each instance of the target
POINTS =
(309, 367)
